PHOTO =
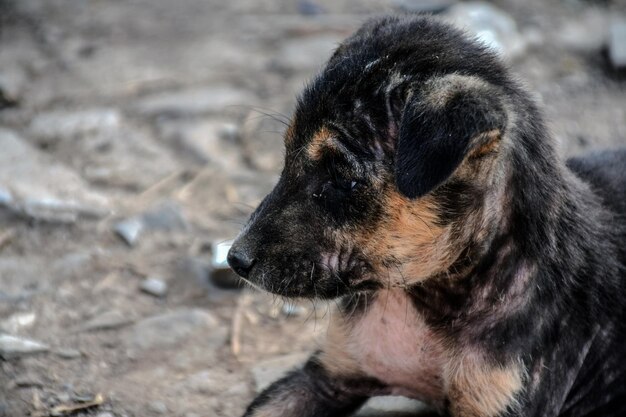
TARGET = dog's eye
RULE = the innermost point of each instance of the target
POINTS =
(344, 184)
(336, 186)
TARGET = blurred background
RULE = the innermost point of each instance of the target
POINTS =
(136, 136)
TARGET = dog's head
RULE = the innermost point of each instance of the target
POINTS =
(394, 163)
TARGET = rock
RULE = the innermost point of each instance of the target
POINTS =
(63, 125)
(105, 321)
(105, 414)
(168, 330)
(220, 273)
(17, 322)
(308, 53)
(310, 8)
(392, 407)
(492, 26)
(13, 346)
(158, 407)
(208, 141)
(271, 370)
(587, 32)
(36, 187)
(129, 229)
(28, 380)
(166, 216)
(154, 286)
(422, 6)
(12, 86)
(617, 43)
(194, 101)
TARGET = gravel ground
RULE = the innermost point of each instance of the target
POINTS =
(135, 135)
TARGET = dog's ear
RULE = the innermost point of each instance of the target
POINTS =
(448, 119)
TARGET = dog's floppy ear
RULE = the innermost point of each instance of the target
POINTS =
(448, 119)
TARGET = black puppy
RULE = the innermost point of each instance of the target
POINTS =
(476, 271)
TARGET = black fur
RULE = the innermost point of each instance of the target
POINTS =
(561, 228)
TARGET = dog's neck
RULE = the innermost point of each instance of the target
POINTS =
(518, 282)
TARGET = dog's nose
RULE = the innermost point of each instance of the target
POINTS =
(240, 260)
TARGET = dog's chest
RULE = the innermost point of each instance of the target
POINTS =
(392, 343)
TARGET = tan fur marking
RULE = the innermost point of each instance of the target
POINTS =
(335, 357)
(410, 237)
(477, 389)
(443, 89)
(490, 142)
(290, 133)
(323, 139)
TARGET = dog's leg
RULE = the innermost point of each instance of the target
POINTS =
(310, 392)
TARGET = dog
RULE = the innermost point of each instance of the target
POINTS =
(474, 269)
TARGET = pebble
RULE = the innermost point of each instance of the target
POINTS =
(129, 229)
(491, 25)
(166, 216)
(68, 353)
(158, 407)
(392, 406)
(220, 273)
(34, 186)
(13, 346)
(17, 322)
(62, 125)
(207, 141)
(270, 370)
(168, 330)
(105, 414)
(422, 6)
(310, 8)
(105, 321)
(194, 101)
(154, 286)
(617, 43)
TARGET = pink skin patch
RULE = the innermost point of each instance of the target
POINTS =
(392, 343)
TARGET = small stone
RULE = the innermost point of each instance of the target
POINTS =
(154, 286)
(422, 6)
(270, 370)
(158, 407)
(208, 141)
(36, 187)
(12, 86)
(165, 216)
(63, 125)
(26, 381)
(617, 43)
(221, 274)
(17, 322)
(168, 330)
(130, 229)
(310, 8)
(68, 353)
(392, 406)
(105, 414)
(105, 321)
(13, 346)
(290, 309)
(492, 26)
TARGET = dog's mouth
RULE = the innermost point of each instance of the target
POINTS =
(331, 276)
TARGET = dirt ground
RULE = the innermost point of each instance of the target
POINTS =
(169, 114)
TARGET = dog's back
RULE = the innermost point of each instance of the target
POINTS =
(603, 369)
(606, 173)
